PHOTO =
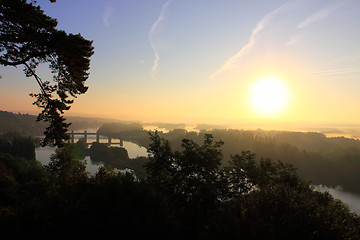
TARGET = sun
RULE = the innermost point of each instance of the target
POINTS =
(269, 96)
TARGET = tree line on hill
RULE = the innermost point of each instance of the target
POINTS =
(27, 125)
(330, 161)
(23, 124)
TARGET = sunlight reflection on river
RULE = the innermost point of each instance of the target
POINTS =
(352, 200)
(43, 155)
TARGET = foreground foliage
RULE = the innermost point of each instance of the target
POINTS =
(187, 194)
(28, 38)
(331, 161)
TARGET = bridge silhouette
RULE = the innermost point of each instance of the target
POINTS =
(86, 134)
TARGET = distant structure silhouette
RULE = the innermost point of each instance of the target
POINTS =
(86, 134)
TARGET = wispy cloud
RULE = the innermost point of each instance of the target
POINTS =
(295, 39)
(319, 15)
(259, 27)
(334, 71)
(151, 35)
(107, 15)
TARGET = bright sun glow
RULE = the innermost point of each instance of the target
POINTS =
(269, 96)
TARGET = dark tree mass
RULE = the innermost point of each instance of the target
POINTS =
(187, 194)
(332, 161)
(28, 38)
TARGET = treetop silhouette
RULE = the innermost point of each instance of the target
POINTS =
(28, 38)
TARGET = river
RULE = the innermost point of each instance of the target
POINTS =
(43, 154)
(352, 200)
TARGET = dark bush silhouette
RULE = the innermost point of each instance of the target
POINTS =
(187, 194)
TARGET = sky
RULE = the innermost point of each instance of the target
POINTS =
(199, 61)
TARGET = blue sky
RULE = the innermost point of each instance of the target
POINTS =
(195, 61)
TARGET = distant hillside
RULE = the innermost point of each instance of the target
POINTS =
(323, 160)
(26, 124)
(23, 124)
(78, 123)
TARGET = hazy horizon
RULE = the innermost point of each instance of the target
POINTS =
(278, 64)
(349, 130)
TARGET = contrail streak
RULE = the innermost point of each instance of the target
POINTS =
(315, 17)
(321, 14)
(151, 34)
(334, 71)
(259, 27)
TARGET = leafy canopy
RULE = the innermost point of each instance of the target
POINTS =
(28, 38)
(247, 199)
